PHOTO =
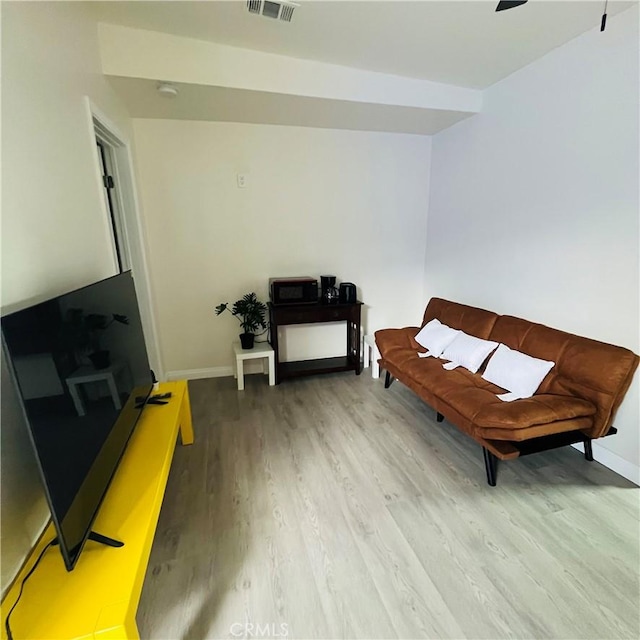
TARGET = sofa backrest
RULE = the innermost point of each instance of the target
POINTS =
(471, 320)
(595, 371)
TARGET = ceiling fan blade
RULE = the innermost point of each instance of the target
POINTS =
(509, 4)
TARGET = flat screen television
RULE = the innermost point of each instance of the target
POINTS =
(80, 365)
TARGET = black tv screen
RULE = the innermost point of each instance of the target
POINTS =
(80, 365)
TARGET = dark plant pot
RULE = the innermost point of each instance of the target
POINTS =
(246, 340)
(100, 359)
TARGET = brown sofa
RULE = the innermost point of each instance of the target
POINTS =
(575, 402)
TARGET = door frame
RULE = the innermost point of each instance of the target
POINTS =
(102, 127)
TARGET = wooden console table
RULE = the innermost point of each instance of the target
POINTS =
(99, 598)
(281, 315)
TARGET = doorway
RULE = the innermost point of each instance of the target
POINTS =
(111, 191)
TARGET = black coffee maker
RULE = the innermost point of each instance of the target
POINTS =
(329, 292)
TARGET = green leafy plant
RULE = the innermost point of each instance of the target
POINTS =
(248, 310)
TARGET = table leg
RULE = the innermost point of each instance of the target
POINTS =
(77, 400)
(375, 366)
(186, 425)
(240, 369)
(272, 369)
(113, 389)
(273, 335)
(357, 332)
(355, 345)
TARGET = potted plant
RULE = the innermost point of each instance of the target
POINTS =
(250, 312)
(81, 331)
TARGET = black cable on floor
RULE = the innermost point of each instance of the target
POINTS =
(6, 622)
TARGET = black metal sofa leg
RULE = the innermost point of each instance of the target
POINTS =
(388, 380)
(439, 417)
(491, 465)
(588, 451)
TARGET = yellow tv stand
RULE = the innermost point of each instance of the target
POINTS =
(99, 598)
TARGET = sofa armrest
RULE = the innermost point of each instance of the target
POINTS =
(387, 339)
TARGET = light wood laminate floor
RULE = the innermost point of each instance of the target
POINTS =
(329, 507)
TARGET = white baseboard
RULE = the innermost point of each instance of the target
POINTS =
(212, 372)
(197, 374)
(613, 461)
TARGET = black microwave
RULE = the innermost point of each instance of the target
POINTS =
(293, 290)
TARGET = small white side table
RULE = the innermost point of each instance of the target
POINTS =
(371, 354)
(88, 374)
(261, 350)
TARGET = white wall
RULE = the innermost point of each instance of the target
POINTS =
(317, 201)
(534, 203)
(54, 235)
(24, 508)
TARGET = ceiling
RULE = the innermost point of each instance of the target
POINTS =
(455, 42)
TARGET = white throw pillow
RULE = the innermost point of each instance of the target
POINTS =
(516, 372)
(435, 337)
(468, 352)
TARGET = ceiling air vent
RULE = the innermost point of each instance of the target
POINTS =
(281, 10)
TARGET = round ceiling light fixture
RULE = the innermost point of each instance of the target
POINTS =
(166, 90)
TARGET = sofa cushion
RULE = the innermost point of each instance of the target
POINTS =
(539, 409)
(430, 374)
(516, 372)
(468, 352)
(436, 337)
(534, 431)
